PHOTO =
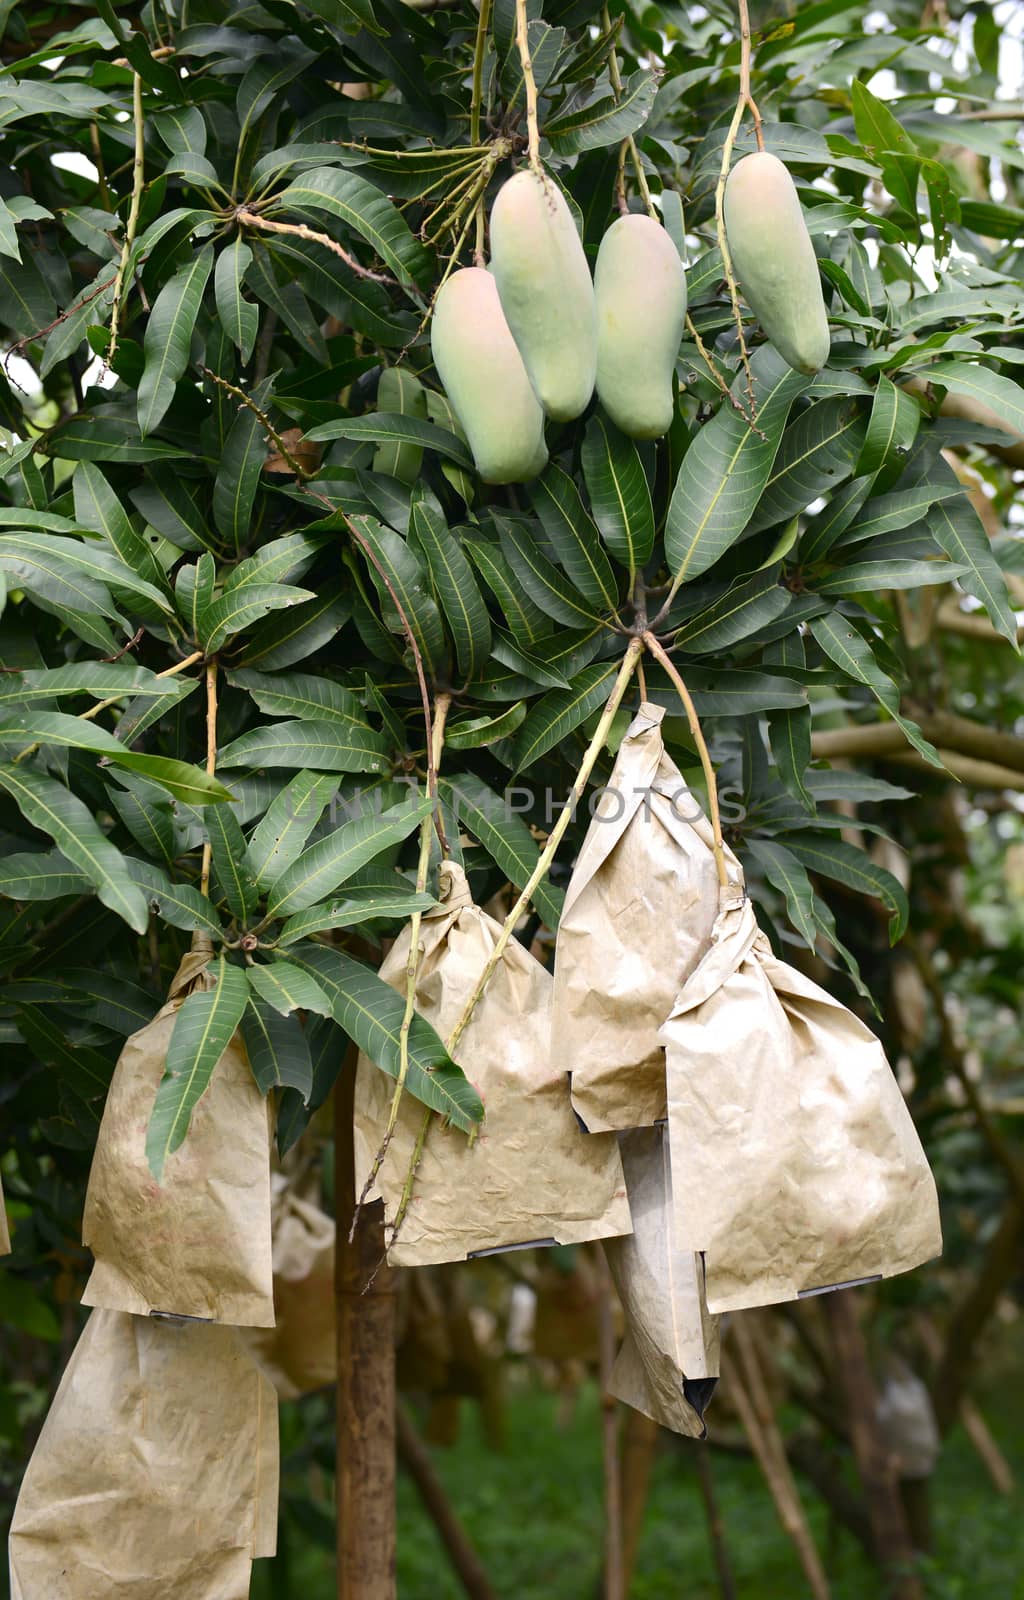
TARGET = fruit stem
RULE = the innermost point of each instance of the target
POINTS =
(211, 763)
(629, 143)
(743, 100)
(661, 655)
(483, 22)
(530, 84)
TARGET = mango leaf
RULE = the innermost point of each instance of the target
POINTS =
(892, 429)
(474, 733)
(817, 453)
(98, 679)
(319, 871)
(606, 121)
(542, 581)
(456, 588)
(726, 469)
(169, 330)
(872, 577)
(181, 779)
(900, 509)
(295, 634)
(76, 573)
(400, 569)
(240, 318)
(202, 1031)
(842, 643)
(391, 427)
(238, 475)
(504, 835)
(527, 621)
(620, 496)
(47, 805)
(363, 208)
(277, 1048)
(230, 865)
(301, 694)
(43, 875)
(287, 824)
(358, 903)
(274, 562)
(177, 904)
(558, 712)
(97, 507)
(574, 537)
(371, 1013)
(240, 608)
(958, 530)
(323, 746)
(742, 610)
(400, 393)
(877, 128)
(787, 874)
(287, 988)
(789, 734)
(843, 863)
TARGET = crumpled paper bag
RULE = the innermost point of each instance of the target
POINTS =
(637, 918)
(155, 1475)
(198, 1244)
(531, 1176)
(669, 1361)
(5, 1234)
(299, 1354)
(797, 1164)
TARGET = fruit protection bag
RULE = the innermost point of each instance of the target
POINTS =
(797, 1166)
(198, 1243)
(531, 1176)
(637, 918)
(155, 1475)
(668, 1364)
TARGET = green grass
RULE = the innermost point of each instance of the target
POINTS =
(534, 1512)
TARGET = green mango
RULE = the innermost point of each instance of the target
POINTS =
(640, 287)
(398, 391)
(484, 378)
(546, 291)
(774, 262)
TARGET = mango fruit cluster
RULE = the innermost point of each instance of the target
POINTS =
(531, 337)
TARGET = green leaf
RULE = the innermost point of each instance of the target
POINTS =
(230, 862)
(817, 453)
(371, 1013)
(527, 621)
(277, 1048)
(785, 873)
(390, 427)
(240, 318)
(202, 1031)
(91, 438)
(240, 608)
(287, 988)
(292, 636)
(901, 509)
(79, 566)
(456, 588)
(742, 610)
(274, 562)
(169, 330)
(998, 394)
(287, 824)
(323, 746)
(958, 530)
(504, 835)
(557, 713)
(47, 805)
(98, 679)
(574, 538)
(401, 394)
(407, 579)
(789, 733)
(85, 1070)
(877, 128)
(181, 779)
(175, 903)
(320, 870)
(474, 733)
(872, 577)
(97, 507)
(301, 694)
(726, 469)
(542, 581)
(606, 121)
(843, 863)
(842, 643)
(619, 492)
(358, 904)
(44, 875)
(363, 208)
(892, 429)
(238, 475)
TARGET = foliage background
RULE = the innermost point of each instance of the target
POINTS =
(268, 444)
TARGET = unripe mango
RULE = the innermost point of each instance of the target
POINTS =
(485, 380)
(774, 261)
(640, 287)
(546, 291)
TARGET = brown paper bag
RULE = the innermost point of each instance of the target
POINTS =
(5, 1234)
(155, 1475)
(531, 1176)
(197, 1244)
(637, 917)
(668, 1364)
(797, 1165)
(299, 1353)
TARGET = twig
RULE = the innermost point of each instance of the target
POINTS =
(211, 763)
(138, 178)
(252, 219)
(719, 380)
(743, 100)
(104, 705)
(629, 143)
(412, 968)
(272, 434)
(544, 861)
(530, 84)
(661, 655)
(483, 22)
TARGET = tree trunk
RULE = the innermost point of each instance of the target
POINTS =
(891, 1535)
(366, 1377)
